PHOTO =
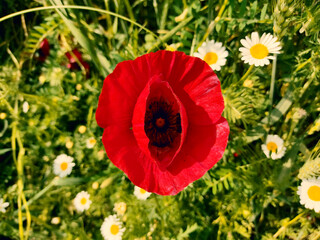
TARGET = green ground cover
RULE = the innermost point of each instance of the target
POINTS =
(48, 101)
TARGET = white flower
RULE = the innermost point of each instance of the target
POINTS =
(62, 165)
(299, 113)
(141, 193)
(81, 201)
(212, 53)
(120, 208)
(91, 142)
(55, 220)
(111, 228)
(256, 51)
(25, 107)
(3, 205)
(82, 129)
(309, 192)
(274, 145)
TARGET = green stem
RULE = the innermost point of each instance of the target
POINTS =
(166, 37)
(15, 138)
(164, 14)
(21, 185)
(130, 13)
(28, 215)
(76, 7)
(9, 107)
(273, 77)
(247, 73)
(303, 64)
(213, 23)
(21, 233)
(109, 24)
(108, 19)
(193, 41)
(19, 166)
(287, 224)
(42, 192)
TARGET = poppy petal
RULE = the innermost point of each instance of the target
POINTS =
(123, 151)
(194, 83)
(193, 90)
(190, 164)
(120, 145)
(155, 89)
(120, 92)
(195, 159)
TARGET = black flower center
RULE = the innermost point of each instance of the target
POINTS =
(161, 124)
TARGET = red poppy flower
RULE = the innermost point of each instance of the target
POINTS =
(43, 51)
(73, 64)
(161, 115)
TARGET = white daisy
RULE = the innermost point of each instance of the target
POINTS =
(3, 205)
(141, 193)
(309, 192)
(256, 51)
(25, 107)
(62, 165)
(111, 228)
(81, 201)
(213, 53)
(91, 142)
(120, 208)
(274, 147)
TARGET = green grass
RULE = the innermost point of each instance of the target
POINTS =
(245, 196)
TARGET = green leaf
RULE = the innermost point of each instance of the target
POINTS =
(6, 229)
(264, 11)
(79, 33)
(37, 35)
(5, 127)
(281, 108)
(253, 9)
(69, 181)
(4, 150)
(254, 133)
(243, 8)
(226, 184)
(214, 189)
(186, 233)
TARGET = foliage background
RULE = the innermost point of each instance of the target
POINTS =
(245, 196)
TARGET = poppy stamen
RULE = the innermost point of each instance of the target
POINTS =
(162, 125)
(160, 122)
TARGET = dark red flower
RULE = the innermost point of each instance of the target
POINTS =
(43, 51)
(73, 64)
(161, 115)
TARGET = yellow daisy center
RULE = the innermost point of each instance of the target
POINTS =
(314, 193)
(83, 201)
(114, 229)
(92, 141)
(272, 146)
(142, 191)
(259, 51)
(211, 58)
(64, 166)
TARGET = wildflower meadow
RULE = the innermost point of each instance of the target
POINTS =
(159, 119)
